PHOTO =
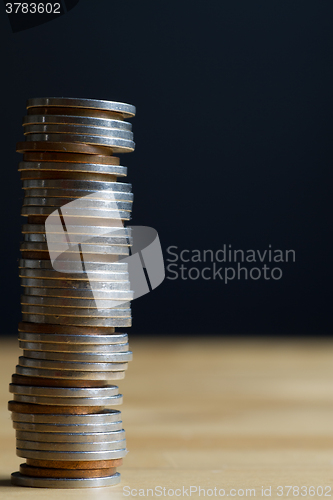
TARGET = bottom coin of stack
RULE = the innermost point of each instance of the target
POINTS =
(66, 428)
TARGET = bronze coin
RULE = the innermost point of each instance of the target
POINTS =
(71, 158)
(66, 147)
(66, 330)
(28, 470)
(81, 176)
(56, 410)
(50, 382)
(91, 464)
(93, 113)
(40, 255)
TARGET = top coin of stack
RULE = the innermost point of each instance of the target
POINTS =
(75, 209)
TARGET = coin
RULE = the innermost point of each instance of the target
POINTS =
(48, 382)
(79, 294)
(68, 195)
(71, 158)
(73, 331)
(62, 410)
(64, 392)
(78, 120)
(119, 107)
(91, 357)
(71, 284)
(75, 238)
(69, 128)
(69, 111)
(66, 147)
(116, 145)
(78, 185)
(89, 203)
(69, 175)
(76, 455)
(84, 213)
(74, 303)
(67, 428)
(18, 479)
(75, 402)
(55, 275)
(71, 447)
(73, 265)
(73, 167)
(73, 337)
(68, 437)
(65, 366)
(76, 312)
(27, 470)
(78, 321)
(99, 250)
(106, 417)
(75, 465)
(73, 374)
(73, 348)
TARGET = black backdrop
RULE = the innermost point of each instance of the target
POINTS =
(234, 145)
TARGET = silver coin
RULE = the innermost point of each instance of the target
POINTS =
(74, 265)
(55, 275)
(71, 184)
(58, 437)
(72, 128)
(71, 456)
(70, 374)
(72, 366)
(17, 479)
(57, 401)
(76, 313)
(36, 445)
(106, 417)
(102, 339)
(94, 231)
(67, 428)
(78, 120)
(116, 357)
(75, 285)
(74, 167)
(79, 294)
(52, 347)
(69, 102)
(94, 241)
(74, 303)
(86, 249)
(117, 145)
(101, 214)
(125, 206)
(79, 321)
(68, 195)
(64, 392)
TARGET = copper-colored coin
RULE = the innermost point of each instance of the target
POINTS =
(71, 158)
(49, 382)
(40, 255)
(37, 219)
(54, 174)
(67, 330)
(91, 464)
(28, 470)
(94, 113)
(66, 147)
(56, 410)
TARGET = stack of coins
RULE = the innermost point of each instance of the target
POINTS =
(76, 291)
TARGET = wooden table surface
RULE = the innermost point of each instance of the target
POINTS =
(226, 414)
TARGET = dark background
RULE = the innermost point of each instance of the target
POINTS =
(234, 145)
